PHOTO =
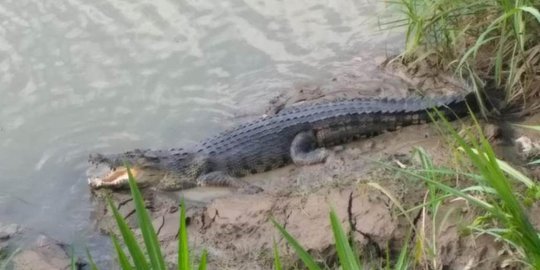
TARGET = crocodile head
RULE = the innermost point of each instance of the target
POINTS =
(164, 170)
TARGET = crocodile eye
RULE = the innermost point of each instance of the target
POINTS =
(150, 155)
(144, 162)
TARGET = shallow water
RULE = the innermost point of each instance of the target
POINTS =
(105, 76)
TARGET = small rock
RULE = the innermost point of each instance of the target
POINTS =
(44, 253)
(7, 231)
(527, 148)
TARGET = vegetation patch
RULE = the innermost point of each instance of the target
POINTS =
(494, 43)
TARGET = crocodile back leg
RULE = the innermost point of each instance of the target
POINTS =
(304, 149)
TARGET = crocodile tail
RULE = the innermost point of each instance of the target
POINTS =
(457, 106)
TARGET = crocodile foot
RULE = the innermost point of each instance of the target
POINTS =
(304, 149)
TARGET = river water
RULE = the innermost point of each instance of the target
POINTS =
(78, 77)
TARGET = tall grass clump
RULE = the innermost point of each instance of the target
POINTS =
(495, 41)
(147, 255)
(502, 210)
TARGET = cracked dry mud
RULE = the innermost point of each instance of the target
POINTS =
(236, 230)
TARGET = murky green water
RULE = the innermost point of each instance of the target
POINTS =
(104, 76)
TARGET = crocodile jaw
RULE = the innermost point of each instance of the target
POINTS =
(114, 178)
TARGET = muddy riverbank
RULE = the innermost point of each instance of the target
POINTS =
(236, 230)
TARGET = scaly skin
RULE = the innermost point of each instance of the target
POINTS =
(298, 134)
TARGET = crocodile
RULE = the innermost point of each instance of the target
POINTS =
(299, 134)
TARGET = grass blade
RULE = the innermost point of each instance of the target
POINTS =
(93, 265)
(403, 262)
(533, 11)
(202, 264)
(147, 229)
(123, 260)
(300, 251)
(277, 261)
(534, 162)
(537, 128)
(183, 248)
(129, 239)
(73, 265)
(509, 170)
(346, 256)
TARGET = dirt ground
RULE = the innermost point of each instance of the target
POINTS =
(236, 230)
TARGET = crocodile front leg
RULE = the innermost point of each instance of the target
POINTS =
(221, 179)
(304, 149)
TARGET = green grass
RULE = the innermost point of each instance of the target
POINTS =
(348, 260)
(502, 204)
(495, 41)
(501, 213)
(147, 255)
(497, 193)
(348, 257)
